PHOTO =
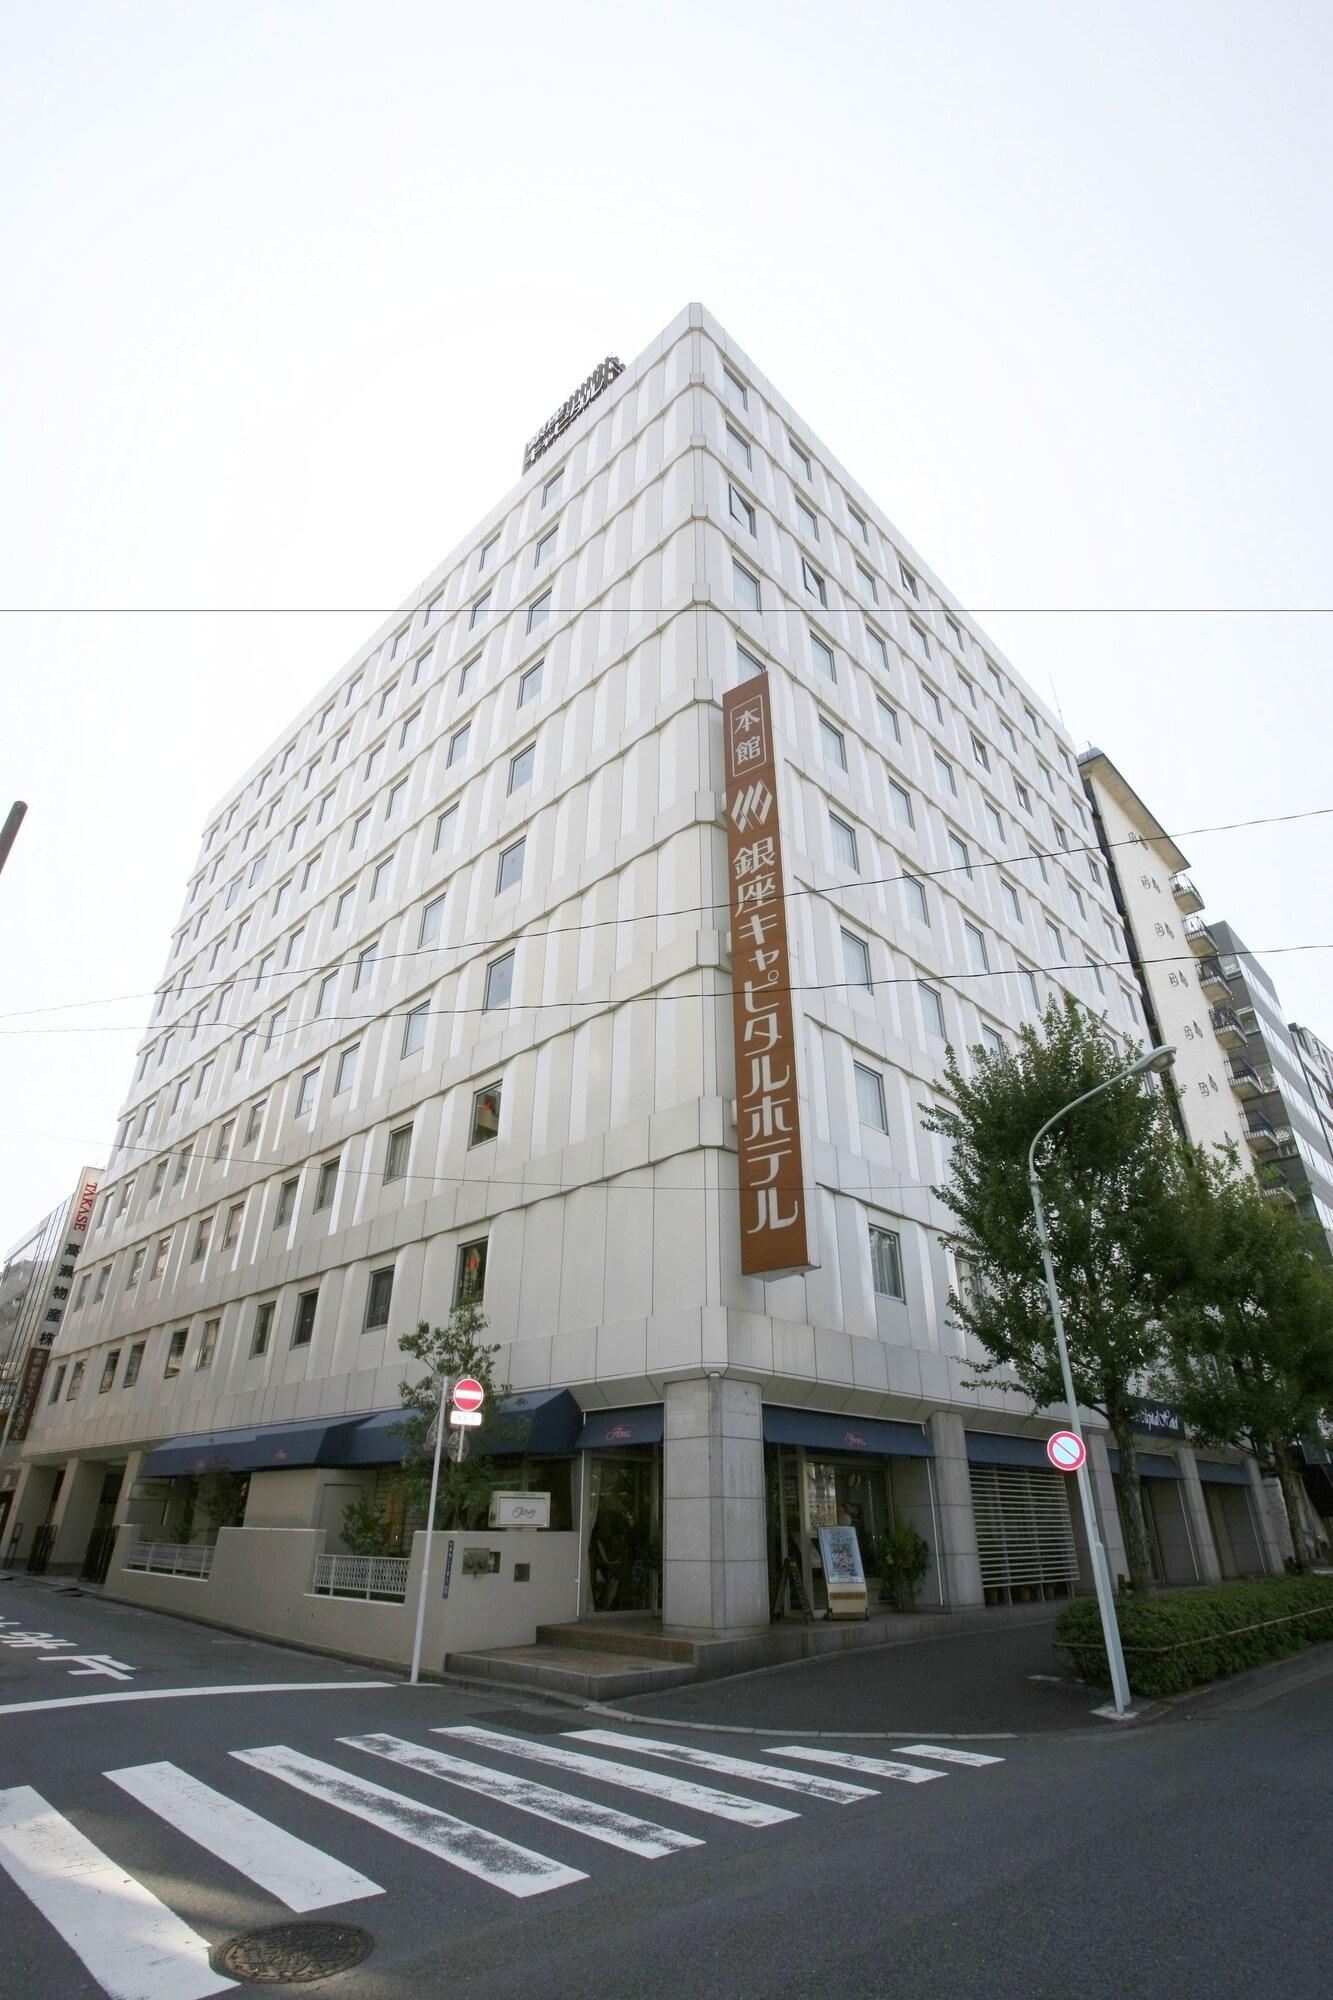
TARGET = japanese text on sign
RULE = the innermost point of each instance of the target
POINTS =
(772, 1191)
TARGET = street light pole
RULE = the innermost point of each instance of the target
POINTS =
(1157, 1059)
(442, 1418)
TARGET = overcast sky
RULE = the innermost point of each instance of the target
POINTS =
(286, 286)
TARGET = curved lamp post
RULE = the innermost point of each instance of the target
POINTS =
(1156, 1059)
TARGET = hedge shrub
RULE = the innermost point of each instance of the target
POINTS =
(1181, 1639)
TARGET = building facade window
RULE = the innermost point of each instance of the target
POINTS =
(870, 1106)
(886, 1263)
(379, 1296)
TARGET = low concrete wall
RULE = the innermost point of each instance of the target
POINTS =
(261, 1577)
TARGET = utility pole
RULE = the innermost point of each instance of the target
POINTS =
(9, 831)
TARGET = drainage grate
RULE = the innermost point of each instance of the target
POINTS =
(291, 1954)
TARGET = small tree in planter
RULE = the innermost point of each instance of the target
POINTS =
(904, 1558)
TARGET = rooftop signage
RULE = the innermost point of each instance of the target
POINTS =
(603, 375)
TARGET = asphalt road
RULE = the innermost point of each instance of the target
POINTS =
(1187, 1856)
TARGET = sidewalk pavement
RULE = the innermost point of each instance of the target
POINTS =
(1011, 1679)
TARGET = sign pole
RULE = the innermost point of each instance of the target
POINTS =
(430, 1532)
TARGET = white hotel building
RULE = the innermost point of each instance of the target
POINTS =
(449, 999)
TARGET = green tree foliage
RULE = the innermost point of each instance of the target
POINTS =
(1112, 1176)
(464, 1496)
(1250, 1359)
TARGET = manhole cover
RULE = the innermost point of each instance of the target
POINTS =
(291, 1954)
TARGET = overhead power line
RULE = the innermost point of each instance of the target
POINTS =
(494, 612)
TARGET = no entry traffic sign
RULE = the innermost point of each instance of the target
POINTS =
(468, 1393)
(1065, 1451)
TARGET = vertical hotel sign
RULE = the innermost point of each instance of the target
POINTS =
(768, 1120)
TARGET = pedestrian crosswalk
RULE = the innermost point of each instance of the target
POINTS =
(136, 1946)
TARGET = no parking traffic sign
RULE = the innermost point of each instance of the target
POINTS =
(1065, 1451)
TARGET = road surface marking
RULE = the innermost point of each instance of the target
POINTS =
(847, 1760)
(657, 1784)
(831, 1790)
(133, 1946)
(187, 1694)
(617, 1829)
(301, 1876)
(519, 1871)
(973, 1758)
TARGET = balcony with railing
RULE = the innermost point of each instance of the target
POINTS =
(1199, 937)
(194, 1559)
(1246, 1080)
(1187, 896)
(1261, 1133)
(1213, 980)
(378, 1579)
(1227, 1027)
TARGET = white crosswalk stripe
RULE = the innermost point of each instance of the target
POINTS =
(301, 1876)
(655, 1784)
(832, 1790)
(617, 1829)
(132, 1944)
(973, 1758)
(519, 1871)
(850, 1760)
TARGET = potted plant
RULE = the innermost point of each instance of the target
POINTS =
(904, 1558)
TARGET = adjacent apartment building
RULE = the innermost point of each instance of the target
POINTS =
(452, 1009)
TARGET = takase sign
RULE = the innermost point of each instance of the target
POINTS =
(772, 1188)
(603, 375)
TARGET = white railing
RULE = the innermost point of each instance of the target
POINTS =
(383, 1577)
(173, 1558)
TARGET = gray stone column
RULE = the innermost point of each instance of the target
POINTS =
(1108, 1514)
(1196, 1513)
(77, 1511)
(1269, 1550)
(714, 1553)
(956, 1558)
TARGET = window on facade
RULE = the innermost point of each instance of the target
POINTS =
(814, 582)
(378, 1297)
(395, 1159)
(327, 1183)
(286, 1201)
(1061, 836)
(932, 1010)
(1011, 897)
(470, 1280)
(740, 509)
(869, 588)
(231, 1233)
(809, 519)
(432, 917)
(365, 965)
(395, 798)
(208, 1344)
(844, 843)
(919, 639)
(324, 805)
(57, 1385)
(879, 652)
(136, 1265)
(1057, 942)
(992, 1042)
(915, 893)
(1097, 974)
(509, 873)
(346, 1073)
(539, 611)
(1040, 860)
(203, 1229)
(822, 655)
(1029, 983)
(870, 1107)
(738, 447)
(735, 388)
(976, 948)
(744, 588)
(499, 982)
(305, 1100)
(980, 753)
(176, 1352)
(479, 610)
(1009, 736)
(159, 1177)
(886, 1263)
(855, 960)
(485, 1115)
(1094, 871)
(968, 688)
(445, 827)
(487, 555)
(902, 804)
(933, 702)
(380, 876)
(888, 719)
(996, 822)
(263, 1328)
(1023, 796)
(276, 1023)
(160, 1256)
(961, 855)
(458, 744)
(1113, 937)
(304, 1327)
(530, 684)
(747, 666)
(946, 774)
(801, 456)
(552, 487)
(1078, 902)
(833, 745)
(414, 1029)
(309, 872)
(909, 581)
(133, 1363)
(183, 1159)
(293, 946)
(521, 767)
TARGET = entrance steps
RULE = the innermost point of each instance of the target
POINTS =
(598, 1660)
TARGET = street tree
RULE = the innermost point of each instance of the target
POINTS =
(1111, 1174)
(1250, 1355)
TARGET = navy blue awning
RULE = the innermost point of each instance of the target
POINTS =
(209, 1451)
(1218, 1473)
(1003, 1448)
(1151, 1464)
(603, 1430)
(536, 1423)
(819, 1431)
